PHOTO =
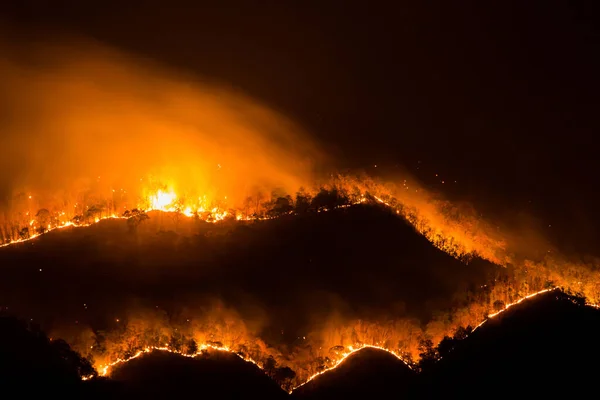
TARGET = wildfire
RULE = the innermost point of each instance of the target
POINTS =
(105, 369)
(529, 296)
(166, 199)
(427, 219)
(351, 350)
(66, 224)
(159, 200)
(217, 144)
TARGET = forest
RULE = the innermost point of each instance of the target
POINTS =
(411, 336)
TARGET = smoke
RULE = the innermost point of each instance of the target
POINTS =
(77, 116)
(458, 226)
(77, 113)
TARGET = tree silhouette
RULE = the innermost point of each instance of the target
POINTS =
(73, 359)
(94, 212)
(284, 377)
(43, 220)
(281, 206)
(302, 202)
(446, 345)
(134, 218)
(270, 366)
(462, 332)
(428, 353)
(176, 341)
(191, 347)
(24, 233)
(329, 199)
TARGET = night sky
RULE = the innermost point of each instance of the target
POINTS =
(500, 98)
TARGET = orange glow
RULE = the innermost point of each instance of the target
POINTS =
(347, 353)
(98, 132)
(96, 135)
(104, 370)
(529, 296)
(168, 201)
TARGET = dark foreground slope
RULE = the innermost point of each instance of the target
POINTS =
(369, 373)
(29, 360)
(163, 375)
(544, 347)
(361, 262)
(547, 346)
(31, 364)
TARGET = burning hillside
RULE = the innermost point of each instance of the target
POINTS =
(148, 280)
(205, 227)
(95, 133)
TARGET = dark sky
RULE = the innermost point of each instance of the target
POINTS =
(499, 96)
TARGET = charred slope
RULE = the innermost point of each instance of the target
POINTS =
(546, 346)
(163, 375)
(363, 261)
(367, 374)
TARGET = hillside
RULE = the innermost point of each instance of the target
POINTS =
(28, 356)
(368, 373)
(543, 347)
(163, 375)
(359, 262)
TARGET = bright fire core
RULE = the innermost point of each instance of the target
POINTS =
(162, 200)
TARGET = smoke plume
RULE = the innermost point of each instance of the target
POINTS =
(77, 114)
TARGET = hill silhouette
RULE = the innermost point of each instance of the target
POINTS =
(368, 373)
(30, 360)
(160, 374)
(542, 347)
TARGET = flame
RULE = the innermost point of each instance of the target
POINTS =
(210, 209)
(349, 351)
(104, 370)
(156, 195)
(529, 296)
(162, 201)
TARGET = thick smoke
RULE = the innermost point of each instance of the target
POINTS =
(79, 113)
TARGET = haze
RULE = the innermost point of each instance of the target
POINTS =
(79, 113)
